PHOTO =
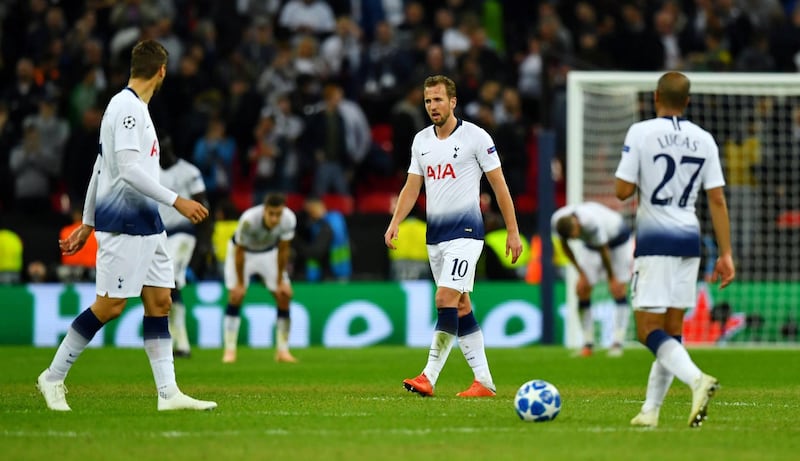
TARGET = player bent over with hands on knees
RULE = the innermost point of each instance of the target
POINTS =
(667, 159)
(606, 253)
(260, 246)
(450, 157)
(122, 208)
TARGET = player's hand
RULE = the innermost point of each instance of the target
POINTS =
(583, 283)
(236, 294)
(76, 240)
(616, 288)
(513, 246)
(391, 234)
(724, 271)
(193, 210)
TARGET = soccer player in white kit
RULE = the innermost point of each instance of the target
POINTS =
(122, 207)
(186, 180)
(450, 157)
(667, 159)
(606, 252)
(260, 246)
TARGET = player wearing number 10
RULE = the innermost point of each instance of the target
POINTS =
(450, 157)
(668, 158)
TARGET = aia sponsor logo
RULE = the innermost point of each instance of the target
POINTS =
(441, 171)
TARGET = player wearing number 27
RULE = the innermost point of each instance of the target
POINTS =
(451, 157)
(668, 159)
(132, 260)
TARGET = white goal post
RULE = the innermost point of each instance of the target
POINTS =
(755, 119)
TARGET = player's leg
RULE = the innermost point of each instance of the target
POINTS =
(622, 262)
(445, 331)
(158, 346)
(663, 281)
(660, 379)
(283, 323)
(115, 283)
(158, 282)
(470, 340)
(79, 334)
(177, 325)
(180, 247)
(233, 320)
(591, 267)
(460, 259)
(266, 266)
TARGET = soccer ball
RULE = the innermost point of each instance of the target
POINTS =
(537, 401)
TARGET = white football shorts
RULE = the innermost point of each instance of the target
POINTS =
(453, 263)
(126, 263)
(180, 247)
(261, 263)
(660, 282)
(592, 263)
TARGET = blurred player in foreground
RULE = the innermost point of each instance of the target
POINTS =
(186, 179)
(667, 159)
(132, 260)
(450, 157)
(260, 246)
(606, 253)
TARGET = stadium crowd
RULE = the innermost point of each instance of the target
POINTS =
(323, 98)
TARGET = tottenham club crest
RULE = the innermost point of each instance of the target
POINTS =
(129, 122)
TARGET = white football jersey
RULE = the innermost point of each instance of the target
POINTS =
(119, 208)
(600, 225)
(185, 179)
(254, 236)
(669, 158)
(452, 169)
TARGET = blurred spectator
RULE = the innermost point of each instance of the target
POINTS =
(325, 142)
(280, 77)
(268, 158)
(323, 243)
(665, 26)
(80, 152)
(511, 138)
(52, 128)
(34, 165)
(341, 53)
(385, 67)
(81, 265)
(214, 154)
(637, 47)
(408, 118)
(755, 57)
(23, 94)
(37, 272)
(307, 17)
(529, 80)
(10, 257)
(8, 138)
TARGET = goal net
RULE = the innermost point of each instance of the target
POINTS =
(755, 119)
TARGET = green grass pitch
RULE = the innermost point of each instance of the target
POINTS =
(350, 405)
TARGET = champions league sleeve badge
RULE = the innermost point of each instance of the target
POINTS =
(129, 122)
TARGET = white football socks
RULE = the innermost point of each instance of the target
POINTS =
(231, 331)
(282, 334)
(658, 384)
(473, 349)
(177, 326)
(159, 351)
(68, 351)
(674, 357)
(441, 344)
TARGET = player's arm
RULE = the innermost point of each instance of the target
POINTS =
(134, 175)
(624, 189)
(724, 268)
(616, 288)
(506, 205)
(284, 250)
(405, 203)
(236, 294)
(78, 237)
(570, 255)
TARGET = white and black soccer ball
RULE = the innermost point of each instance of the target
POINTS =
(537, 401)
